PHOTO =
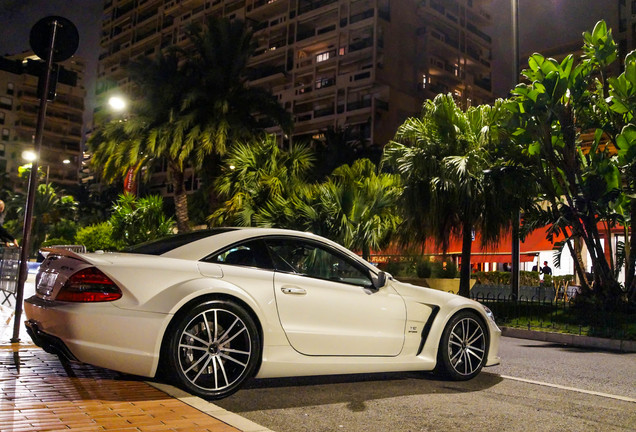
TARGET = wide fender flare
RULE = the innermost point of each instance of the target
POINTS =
(448, 311)
(179, 296)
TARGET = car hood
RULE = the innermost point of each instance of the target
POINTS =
(428, 295)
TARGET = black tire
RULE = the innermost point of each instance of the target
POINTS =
(213, 349)
(463, 349)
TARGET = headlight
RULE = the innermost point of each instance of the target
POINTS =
(489, 314)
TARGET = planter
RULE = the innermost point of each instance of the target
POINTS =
(448, 285)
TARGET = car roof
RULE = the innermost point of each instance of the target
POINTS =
(204, 246)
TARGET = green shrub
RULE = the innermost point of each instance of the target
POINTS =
(424, 269)
(63, 231)
(97, 237)
(400, 268)
(492, 278)
(529, 278)
(56, 241)
(447, 270)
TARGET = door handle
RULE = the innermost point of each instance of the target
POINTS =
(293, 290)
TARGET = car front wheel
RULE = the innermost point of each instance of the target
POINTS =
(463, 347)
(213, 349)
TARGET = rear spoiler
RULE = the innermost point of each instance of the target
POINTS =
(61, 251)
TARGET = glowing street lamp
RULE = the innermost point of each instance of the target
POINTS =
(117, 103)
(29, 155)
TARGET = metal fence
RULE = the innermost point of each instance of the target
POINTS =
(552, 312)
(9, 270)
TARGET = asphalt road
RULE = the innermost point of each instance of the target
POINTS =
(540, 387)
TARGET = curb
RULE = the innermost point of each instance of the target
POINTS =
(227, 417)
(624, 346)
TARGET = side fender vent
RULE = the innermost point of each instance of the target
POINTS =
(427, 328)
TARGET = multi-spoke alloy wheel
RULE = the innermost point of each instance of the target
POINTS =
(213, 349)
(463, 347)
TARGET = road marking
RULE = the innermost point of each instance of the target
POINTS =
(557, 386)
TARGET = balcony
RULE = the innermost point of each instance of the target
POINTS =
(122, 11)
(324, 112)
(484, 83)
(174, 8)
(360, 44)
(270, 75)
(146, 16)
(471, 27)
(308, 33)
(369, 13)
(358, 105)
(307, 6)
(260, 9)
(354, 77)
(273, 50)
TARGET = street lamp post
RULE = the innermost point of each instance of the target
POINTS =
(516, 244)
(33, 183)
(55, 39)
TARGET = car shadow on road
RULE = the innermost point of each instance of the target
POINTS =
(353, 390)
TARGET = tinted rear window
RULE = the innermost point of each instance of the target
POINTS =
(163, 245)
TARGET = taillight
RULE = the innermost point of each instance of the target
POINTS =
(89, 285)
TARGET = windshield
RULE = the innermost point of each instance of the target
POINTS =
(165, 244)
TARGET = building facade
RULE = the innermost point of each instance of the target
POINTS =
(362, 66)
(60, 154)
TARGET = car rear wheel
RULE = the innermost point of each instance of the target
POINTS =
(463, 347)
(213, 349)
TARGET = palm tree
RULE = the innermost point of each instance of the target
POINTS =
(152, 131)
(188, 109)
(449, 176)
(222, 107)
(259, 181)
(50, 208)
(357, 207)
(137, 220)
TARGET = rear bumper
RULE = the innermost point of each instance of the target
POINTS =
(99, 334)
(48, 343)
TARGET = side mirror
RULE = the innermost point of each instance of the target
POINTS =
(378, 280)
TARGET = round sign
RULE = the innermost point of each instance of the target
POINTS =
(66, 38)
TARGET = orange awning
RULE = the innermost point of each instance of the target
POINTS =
(531, 245)
(534, 243)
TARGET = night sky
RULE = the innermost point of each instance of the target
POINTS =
(542, 23)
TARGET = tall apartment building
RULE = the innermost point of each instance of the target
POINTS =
(19, 106)
(363, 65)
(455, 53)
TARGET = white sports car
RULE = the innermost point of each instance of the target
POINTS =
(211, 308)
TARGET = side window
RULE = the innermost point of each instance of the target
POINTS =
(250, 254)
(310, 259)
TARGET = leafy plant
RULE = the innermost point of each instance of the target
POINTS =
(424, 269)
(574, 125)
(447, 270)
(137, 220)
(97, 237)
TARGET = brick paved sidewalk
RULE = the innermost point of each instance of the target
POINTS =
(40, 393)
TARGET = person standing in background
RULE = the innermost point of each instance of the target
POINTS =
(546, 270)
(5, 236)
